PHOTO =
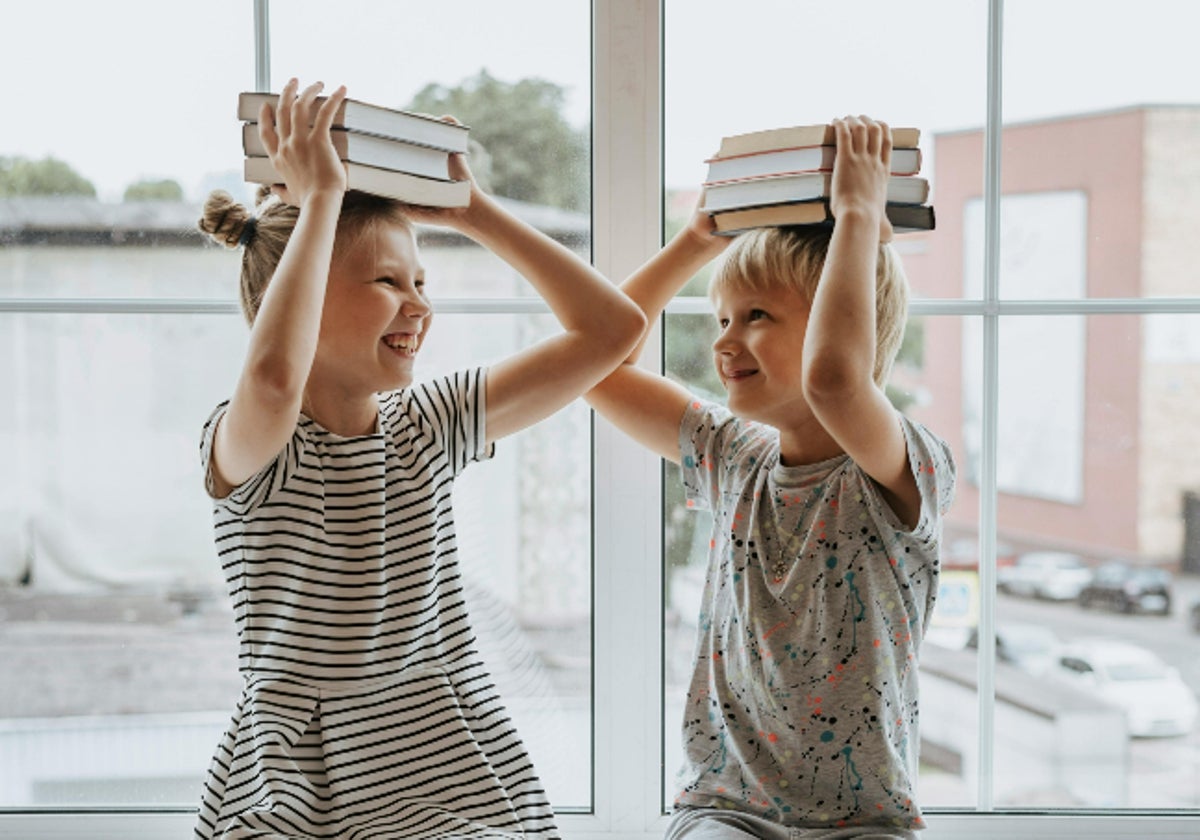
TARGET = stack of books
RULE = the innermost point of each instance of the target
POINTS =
(782, 176)
(386, 151)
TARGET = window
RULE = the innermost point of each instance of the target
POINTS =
(1051, 342)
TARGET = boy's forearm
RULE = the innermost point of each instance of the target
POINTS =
(840, 338)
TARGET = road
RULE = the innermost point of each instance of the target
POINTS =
(1164, 772)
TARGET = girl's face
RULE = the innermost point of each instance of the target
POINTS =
(758, 353)
(376, 313)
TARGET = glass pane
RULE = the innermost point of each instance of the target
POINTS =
(1098, 166)
(118, 654)
(123, 156)
(1099, 563)
(759, 43)
(519, 74)
(866, 41)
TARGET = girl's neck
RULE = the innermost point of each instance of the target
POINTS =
(342, 415)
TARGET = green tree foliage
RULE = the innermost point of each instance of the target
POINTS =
(21, 177)
(531, 152)
(161, 190)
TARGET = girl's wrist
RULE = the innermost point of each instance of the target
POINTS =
(325, 196)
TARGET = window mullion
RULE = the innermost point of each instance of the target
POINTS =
(627, 220)
(990, 408)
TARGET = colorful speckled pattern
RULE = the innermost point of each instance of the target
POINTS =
(803, 703)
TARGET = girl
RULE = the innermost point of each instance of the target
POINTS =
(366, 711)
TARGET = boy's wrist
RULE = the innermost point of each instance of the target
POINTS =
(706, 244)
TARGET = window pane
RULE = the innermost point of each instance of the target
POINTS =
(118, 655)
(1099, 555)
(849, 47)
(118, 646)
(113, 155)
(715, 87)
(519, 74)
(1099, 170)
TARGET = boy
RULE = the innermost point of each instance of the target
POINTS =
(801, 717)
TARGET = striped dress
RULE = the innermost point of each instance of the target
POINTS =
(366, 711)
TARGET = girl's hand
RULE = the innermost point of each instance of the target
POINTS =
(861, 170)
(297, 136)
(452, 217)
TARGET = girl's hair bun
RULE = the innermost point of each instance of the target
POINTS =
(224, 219)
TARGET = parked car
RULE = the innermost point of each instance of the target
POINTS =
(1030, 647)
(1129, 588)
(1156, 701)
(1056, 575)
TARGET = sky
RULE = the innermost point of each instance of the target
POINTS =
(130, 89)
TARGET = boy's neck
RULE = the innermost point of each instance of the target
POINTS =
(806, 444)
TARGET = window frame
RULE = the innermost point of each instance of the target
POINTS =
(628, 199)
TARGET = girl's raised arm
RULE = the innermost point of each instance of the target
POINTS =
(601, 325)
(265, 405)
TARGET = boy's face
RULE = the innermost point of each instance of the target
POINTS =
(375, 315)
(758, 353)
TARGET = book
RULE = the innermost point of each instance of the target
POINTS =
(361, 116)
(793, 137)
(804, 159)
(371, 149)
(802, 186)
(905, 218)
(402, 186)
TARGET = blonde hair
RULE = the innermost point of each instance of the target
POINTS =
(263, 233)
(764, 259)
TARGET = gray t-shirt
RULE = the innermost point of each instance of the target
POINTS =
(803, 701)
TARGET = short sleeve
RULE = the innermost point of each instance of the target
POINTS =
(255, 490)
(712, 442)
(932, 465)
(451, 411)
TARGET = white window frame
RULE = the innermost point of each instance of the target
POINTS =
(628, 651)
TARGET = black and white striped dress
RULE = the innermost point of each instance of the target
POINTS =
(366, 711)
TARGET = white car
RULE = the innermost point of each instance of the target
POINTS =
(1030, 647)
(1154, 698)
(1055, 575)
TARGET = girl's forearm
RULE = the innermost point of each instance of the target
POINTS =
(582, 298)
(283, 339)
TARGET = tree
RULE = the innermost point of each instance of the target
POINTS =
(20, 177)
(160, 190)
(531, 152)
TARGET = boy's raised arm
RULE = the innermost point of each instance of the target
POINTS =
(839, 346)
(644, 405)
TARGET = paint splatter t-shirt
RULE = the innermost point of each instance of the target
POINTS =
(803, 702)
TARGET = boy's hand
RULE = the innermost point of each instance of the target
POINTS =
(702, 230)
(861, 170)
(297, 136)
